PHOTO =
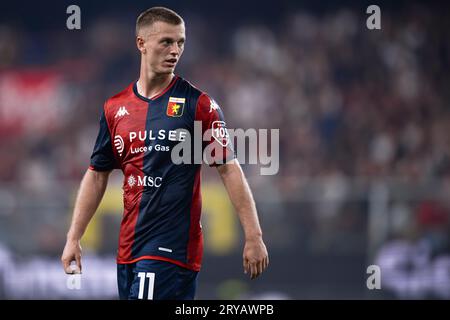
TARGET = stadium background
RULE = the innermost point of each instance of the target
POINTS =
(364, 120)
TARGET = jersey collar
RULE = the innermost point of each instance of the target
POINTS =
(175, 78)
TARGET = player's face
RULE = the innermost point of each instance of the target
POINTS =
(161, 46)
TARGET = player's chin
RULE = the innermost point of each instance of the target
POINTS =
(167, 70)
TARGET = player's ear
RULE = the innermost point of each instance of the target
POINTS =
(140, 44)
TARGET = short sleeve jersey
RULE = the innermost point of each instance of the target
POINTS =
(162, 199)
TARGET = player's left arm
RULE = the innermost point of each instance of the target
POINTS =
(255, 256)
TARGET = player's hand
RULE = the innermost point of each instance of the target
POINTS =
(256, 258)
(72, 252)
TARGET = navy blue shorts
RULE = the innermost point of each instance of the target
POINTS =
(155, 280)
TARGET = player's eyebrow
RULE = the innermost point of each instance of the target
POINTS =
(172, 39)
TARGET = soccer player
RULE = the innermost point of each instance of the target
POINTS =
(160, 242)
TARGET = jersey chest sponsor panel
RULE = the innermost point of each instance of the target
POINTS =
(158, 195)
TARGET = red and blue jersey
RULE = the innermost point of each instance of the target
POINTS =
(162, 200)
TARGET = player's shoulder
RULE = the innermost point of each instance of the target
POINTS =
(119, 97)
(204, 99)
(184, 83)
(188, 89)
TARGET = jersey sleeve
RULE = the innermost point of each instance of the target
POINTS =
(217, 144)
(102, 158)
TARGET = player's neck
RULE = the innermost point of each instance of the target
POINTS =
(150, 86)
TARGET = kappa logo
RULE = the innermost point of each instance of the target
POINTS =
(121, 112)
(213, 105)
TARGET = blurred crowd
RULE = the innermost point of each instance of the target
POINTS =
(356, 109)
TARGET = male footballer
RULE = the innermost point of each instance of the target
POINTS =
(160, 242)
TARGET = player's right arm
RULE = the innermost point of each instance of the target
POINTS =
(90, 194)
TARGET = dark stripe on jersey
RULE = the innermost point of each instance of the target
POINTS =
(164, 216)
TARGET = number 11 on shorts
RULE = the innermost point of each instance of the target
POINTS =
(151, 284)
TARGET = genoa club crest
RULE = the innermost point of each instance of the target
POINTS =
(175, 107)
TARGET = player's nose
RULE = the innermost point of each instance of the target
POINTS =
(175, 49)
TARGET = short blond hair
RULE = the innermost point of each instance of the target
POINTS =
(154, 14)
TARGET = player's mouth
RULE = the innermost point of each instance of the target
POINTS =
(171, 62)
